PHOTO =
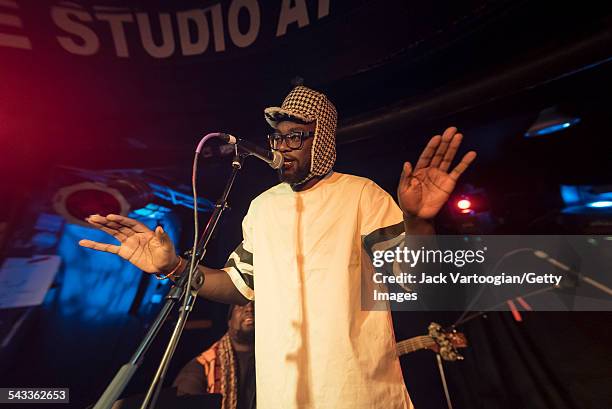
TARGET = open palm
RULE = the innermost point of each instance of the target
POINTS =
(151, 251)
(422, 191)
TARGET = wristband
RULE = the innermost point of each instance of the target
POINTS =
(178, 267)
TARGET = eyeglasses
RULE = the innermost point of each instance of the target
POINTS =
(293, 140)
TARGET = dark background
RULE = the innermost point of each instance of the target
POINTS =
(398, 72)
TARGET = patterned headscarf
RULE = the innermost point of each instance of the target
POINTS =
(305, 105)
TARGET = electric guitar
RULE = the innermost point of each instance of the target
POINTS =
(441, 342)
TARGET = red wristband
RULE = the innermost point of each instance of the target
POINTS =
(171, 273)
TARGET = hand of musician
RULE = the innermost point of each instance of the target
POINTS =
(150, 251)
(422, 191)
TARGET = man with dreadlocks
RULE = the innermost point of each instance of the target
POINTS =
(304, 239)
(228, 366)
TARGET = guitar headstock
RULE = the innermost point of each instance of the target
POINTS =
(446, 343)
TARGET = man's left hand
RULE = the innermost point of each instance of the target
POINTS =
(422, 191)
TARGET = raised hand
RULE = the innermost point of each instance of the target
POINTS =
(422, 191)
(150, 251)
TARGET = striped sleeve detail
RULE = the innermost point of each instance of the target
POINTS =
(383, 239)
(239, 267)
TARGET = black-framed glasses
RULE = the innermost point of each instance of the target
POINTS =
(293, 140)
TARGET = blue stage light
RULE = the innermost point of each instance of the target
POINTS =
(600, 204)
(570, 194)
(551, 120)
(552, 128)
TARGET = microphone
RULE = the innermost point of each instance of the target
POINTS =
(272, 158)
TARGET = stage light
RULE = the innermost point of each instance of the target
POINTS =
(471, 201)
(600, 204)
(464, 204)
(549, 121)
(469, 211)
(571, 195)
(586, 199)
(76, 202)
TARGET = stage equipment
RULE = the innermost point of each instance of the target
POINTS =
(551, 120)
(272, 158)
(185, 288)
(117, 192)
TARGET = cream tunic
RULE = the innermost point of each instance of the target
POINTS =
(302, 256)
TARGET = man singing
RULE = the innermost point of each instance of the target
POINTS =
(303, 240)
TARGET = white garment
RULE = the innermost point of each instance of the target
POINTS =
(314, 346)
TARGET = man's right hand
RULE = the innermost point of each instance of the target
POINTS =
(151, 251)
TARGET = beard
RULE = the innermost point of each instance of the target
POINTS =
(246, 336)
(294, 177)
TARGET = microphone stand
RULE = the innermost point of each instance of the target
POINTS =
(126, 372)
(443, 379)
